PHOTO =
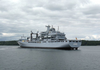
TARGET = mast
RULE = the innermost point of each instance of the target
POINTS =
(58, 28)
(31, 35)
(48, 28)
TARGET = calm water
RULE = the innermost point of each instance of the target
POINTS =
(15, 58)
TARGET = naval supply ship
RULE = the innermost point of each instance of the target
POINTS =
(51, 38)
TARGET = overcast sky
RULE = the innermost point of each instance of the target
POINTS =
(76, 18)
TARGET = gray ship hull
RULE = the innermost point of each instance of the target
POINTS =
(53, 45)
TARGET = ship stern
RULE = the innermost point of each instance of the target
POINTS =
(75, 44)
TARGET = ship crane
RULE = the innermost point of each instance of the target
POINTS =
(35, 34)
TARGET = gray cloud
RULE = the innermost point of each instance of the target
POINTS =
(76, 18)
(91, 10)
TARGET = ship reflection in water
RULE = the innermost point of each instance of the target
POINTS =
(14, 58)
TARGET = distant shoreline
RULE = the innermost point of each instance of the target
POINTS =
(8, 43)
(84, 43)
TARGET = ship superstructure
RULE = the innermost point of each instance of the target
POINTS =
(50, 38)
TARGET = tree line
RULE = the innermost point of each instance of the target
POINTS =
(84, 43)
(8, 43)
(90, 43)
